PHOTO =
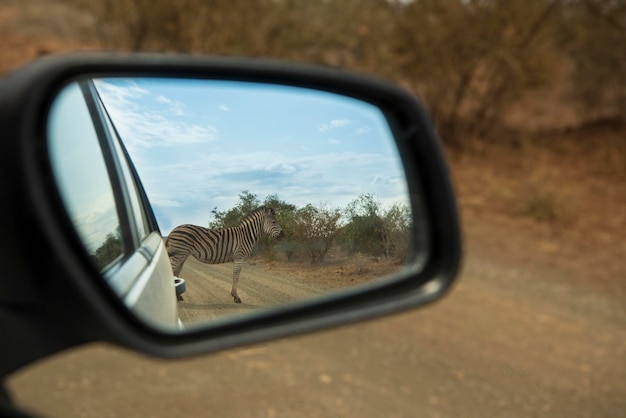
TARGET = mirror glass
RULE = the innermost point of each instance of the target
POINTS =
(256, 195)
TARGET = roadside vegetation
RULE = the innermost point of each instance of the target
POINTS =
(469, 61)
(473, 63)
(362, 229)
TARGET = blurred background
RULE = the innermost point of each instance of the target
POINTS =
(529, 99)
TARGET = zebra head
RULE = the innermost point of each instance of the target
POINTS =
(270, 226)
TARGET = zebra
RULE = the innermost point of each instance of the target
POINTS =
(217, 246)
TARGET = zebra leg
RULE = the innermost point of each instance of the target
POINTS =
(177, 261)
(236, 271)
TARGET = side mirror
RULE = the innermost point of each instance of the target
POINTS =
(141, 175)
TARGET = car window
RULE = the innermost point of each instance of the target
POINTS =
(142, 225)
(81, 175)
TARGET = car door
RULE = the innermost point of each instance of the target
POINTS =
(108, 205)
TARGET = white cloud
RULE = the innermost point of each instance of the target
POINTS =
(166, 202)
(333, 124)
(143, 127)
(224, 108)
(176, 107)
(280, 167)
(121, 94)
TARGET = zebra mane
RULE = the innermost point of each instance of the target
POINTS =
(266, 209)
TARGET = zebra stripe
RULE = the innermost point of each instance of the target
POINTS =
(222, 245)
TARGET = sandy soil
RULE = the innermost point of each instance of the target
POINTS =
(264, 285)
(208, 290)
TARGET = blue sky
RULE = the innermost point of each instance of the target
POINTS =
(198, 143)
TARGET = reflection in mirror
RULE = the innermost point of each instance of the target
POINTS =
(264, 194)
(82, 177)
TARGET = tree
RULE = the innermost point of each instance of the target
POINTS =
(141, 25)
(396, 231)
(593, 33)
(364, 230)
(469, 59)
(110, 249)
(316, 229)
(248, 202)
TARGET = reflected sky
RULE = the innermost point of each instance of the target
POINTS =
(198, 143)
(79, 168)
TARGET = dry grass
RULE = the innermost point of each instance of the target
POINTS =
(544, 204)
(32, 28)
(559, 199)
(337, 272)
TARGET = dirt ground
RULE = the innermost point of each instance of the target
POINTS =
(260, 287)
(264, 285)
(536, 325)
(515, 338)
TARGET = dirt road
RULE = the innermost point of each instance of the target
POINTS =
(209, 285)
(513, 339)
